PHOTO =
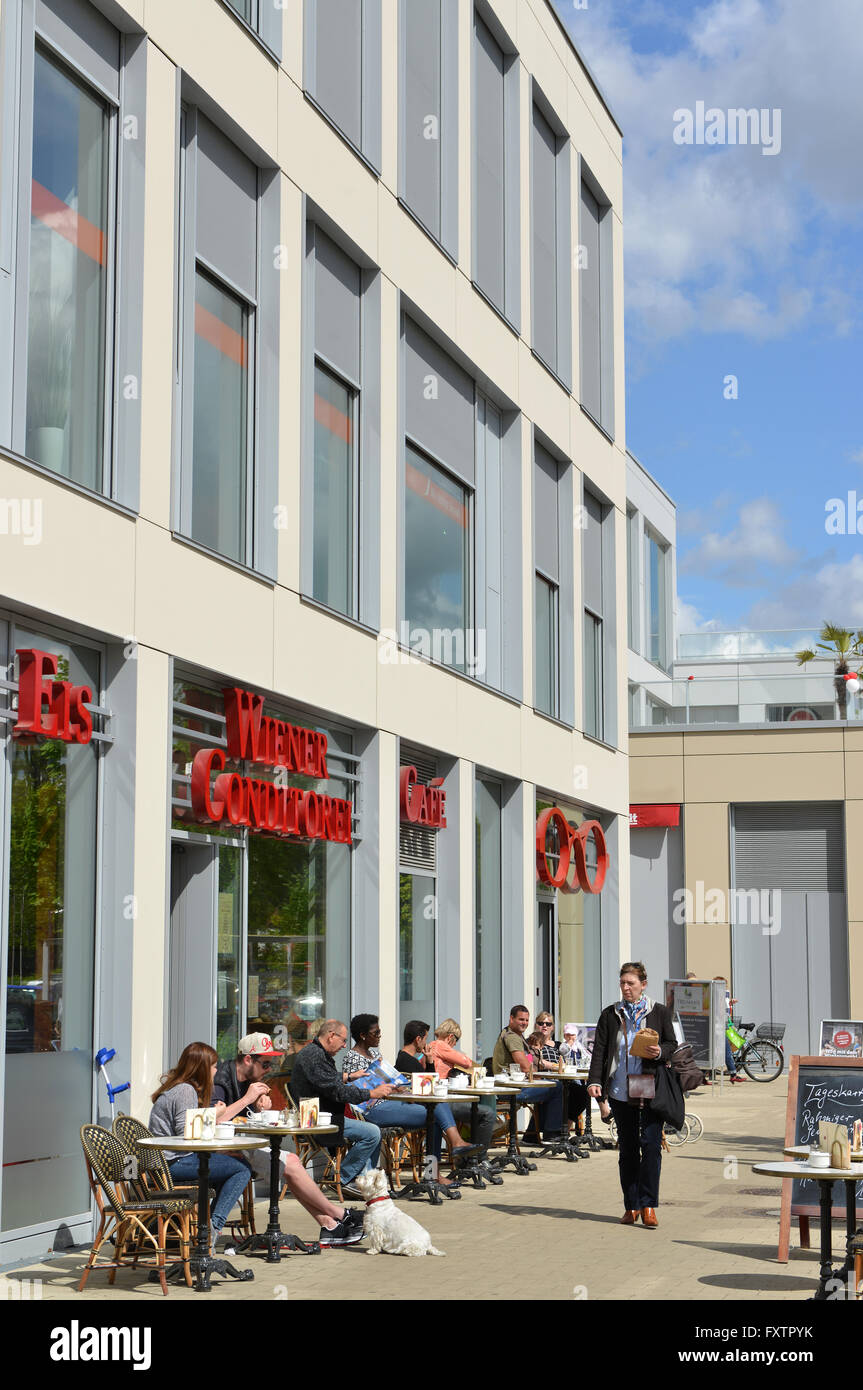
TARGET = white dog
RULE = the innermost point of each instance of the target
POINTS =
(387, 1228)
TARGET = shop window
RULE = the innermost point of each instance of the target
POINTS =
(596, 307)
(551, 329)
(496, 239)
(228, 349)
(428, 182)
(274, 915)
(50, 958)
(72, 89)
(342, 69)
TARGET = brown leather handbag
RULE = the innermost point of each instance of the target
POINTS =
(640, 1086)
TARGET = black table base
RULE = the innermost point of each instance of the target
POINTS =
(834, 1284)
(512, 1158)
(274, 1240)
(202, 1264)
(563, 1145)
(428, 1186)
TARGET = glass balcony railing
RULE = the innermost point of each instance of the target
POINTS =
(724, 645)
(785, 698)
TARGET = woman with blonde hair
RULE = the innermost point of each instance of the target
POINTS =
(445, 1055)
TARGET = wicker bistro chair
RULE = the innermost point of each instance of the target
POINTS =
(308, 1149)
(127, 1221)
(401, 1146)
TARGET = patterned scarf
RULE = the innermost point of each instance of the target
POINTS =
(636, 1011)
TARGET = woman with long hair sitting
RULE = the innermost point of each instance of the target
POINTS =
(188, 1086)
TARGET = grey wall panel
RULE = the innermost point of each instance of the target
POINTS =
(421, 103)
(226, 211)
(265, 552)
(546, 514)
(370, 453)
(789, 846)
(589, 306)
(271, 23)
(85, 37)
(592, 555)
(337, 306)
(489, 113)
(544, 238)
(448, 896)
(338, 63)
(130, 289)
(439, 403)
(366, 858)
(513, 891)
(512, 675)
(566, 600)
(656, 871)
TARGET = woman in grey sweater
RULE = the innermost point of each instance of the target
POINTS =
(188, 1087)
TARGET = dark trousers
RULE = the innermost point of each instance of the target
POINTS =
(550, 1106)
(639, 1138)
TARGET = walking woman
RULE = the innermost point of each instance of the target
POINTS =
(639, 1132)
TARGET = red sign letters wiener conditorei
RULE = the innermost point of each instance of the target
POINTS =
(572, 843)
(50, 708)
(420, 804)
(259, 804)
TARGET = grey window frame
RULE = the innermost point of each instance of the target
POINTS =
(367, 520)
(561, 367)
(564, 581)
(606, 615)
(510, 308)
(652, 537)
(265, 24)
(498, 548)
(604, 415)
(447, 240)
(123, 90)
(261, 483)
(369, 146)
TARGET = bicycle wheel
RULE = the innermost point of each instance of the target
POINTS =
(676, 1136)
(762, 1060)
(612, 1131)
(696, 1128)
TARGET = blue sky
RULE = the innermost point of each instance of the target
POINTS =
(745, 264)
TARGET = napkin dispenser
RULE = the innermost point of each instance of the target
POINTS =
(833, 1139)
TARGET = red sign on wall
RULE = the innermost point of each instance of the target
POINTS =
(642, 817)
(420, 804)
(259, 804)
(572, 841)
(49, 708)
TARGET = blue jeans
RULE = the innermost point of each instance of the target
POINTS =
(398, 1114)
(228, 1175)
(365, 1147)
(729, 1059)
(550, 1106)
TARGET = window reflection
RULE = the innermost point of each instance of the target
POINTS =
(436, 560)
(335, 434)
(220, 441)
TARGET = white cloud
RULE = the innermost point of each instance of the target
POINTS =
(832, 593)
(722, 238)
(753, 546)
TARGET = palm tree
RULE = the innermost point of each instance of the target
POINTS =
(842, 645)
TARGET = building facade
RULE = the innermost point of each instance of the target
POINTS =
(312, 576)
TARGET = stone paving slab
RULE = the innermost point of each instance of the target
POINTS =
(556, 1230)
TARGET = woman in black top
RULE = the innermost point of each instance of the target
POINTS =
(639, 1132)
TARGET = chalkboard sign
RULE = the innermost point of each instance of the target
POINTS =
(819, 1088)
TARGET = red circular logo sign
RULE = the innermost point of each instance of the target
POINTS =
(573, 842)
(842, 1039)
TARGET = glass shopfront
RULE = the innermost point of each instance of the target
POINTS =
(569, 934)
(49, 803)
(271, 914)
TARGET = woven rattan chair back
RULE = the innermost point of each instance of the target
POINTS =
(153, 1169)
(109, 1162)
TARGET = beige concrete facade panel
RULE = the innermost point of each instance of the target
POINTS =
(292, 41)
(479, 335)
(658, 745)
(181, 603)
(319, 161)
(708, 951)
(59, 546)
(490, 731)
(655, 780)
(414, 696)
(770, 741)
(205, 41)
(854, 774)
(542, 53)
(854, 860)
(544, 401)
(706, 844)
(411, 260)
(316, 670)
(390, 95)
(742, 777)
(855, 968)
(853, 740)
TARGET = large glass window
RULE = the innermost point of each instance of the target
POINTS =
(417, 911)
(221, 434)
(594, 561)
(437, 560)
(489, 916)
(656, 568)
(50, 958)
(546, 646)
(593, 722)
(547, 556)
(550, 220)
(70, 256)
(596, 317)
(334, 491)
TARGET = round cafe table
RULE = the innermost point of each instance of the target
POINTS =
(202, 1264)
(572, 1149)
(825, 1177)
(853, 1234)
(274, 1240)
(428, 1183)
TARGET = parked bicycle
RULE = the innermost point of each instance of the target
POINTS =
(762, 1057)
(691, 1130)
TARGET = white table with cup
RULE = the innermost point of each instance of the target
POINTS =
(207, 1140)
(274, 1126)
(811, 1162)
(428, 1089)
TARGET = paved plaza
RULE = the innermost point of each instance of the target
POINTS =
(557, 1232)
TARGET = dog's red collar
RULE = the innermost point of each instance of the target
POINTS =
(371, 1201)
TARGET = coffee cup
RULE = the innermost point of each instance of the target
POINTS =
(817, 1159)
(270, 1117)
(224, 1131)
(325, 1117)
